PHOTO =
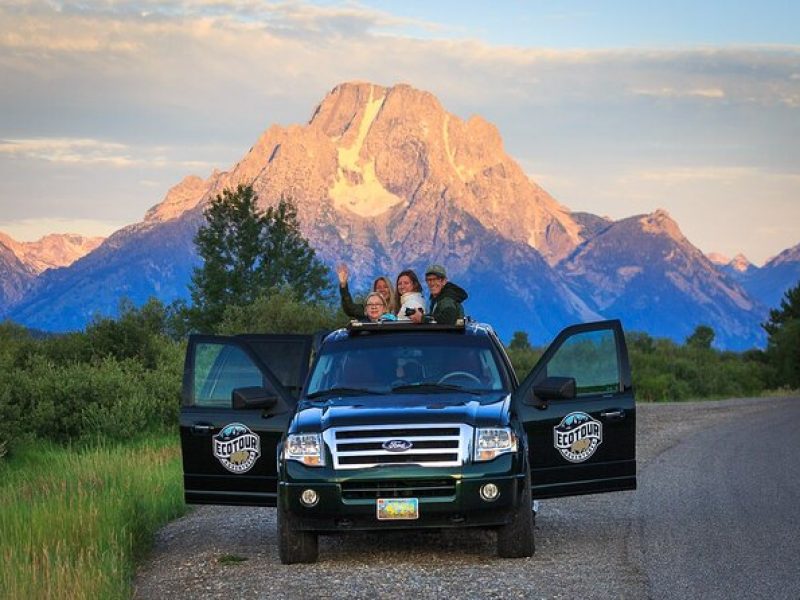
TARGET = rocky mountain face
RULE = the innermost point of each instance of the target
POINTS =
(737, 268)
(381, 165)
(644, 271)
(591, 225)
(52, 251)
(386, 179)
(16, 277)
(768, 284)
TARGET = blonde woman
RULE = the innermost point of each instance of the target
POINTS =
(375, 307)
(381, 285)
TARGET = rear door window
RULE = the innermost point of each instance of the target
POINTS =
(591, 358)
(221, 368)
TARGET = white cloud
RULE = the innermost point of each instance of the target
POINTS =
(668, 92)
(188, 46)
(80, 151)
(72, 151)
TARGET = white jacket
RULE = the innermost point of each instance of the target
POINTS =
(410, 300)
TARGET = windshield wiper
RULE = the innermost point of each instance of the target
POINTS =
(344, 391)
(432, 388)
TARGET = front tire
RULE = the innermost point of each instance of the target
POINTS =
(295, 546)
(515, 539)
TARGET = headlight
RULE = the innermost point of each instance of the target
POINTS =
(306, 448)
(491, 443)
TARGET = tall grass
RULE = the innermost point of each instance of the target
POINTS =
(74, 522)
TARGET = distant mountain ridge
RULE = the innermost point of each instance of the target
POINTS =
(644, 270)
(768, 284)
(385, 179)
(22, 262)
(51, 251)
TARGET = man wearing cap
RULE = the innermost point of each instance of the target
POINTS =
(446, 297)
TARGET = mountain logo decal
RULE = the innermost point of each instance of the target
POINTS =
(236, 447)
(577, 436)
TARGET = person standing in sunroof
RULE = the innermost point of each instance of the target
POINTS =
(355, 310)
(446, 298)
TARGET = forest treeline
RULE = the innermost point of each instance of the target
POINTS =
(120, 378)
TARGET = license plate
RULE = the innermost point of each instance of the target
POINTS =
(398, 508)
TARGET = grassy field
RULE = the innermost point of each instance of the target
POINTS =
(73, 523)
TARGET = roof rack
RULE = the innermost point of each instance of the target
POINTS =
(357, 327)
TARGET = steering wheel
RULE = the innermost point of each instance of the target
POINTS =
(456, 374)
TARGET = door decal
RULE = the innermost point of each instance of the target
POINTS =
(577, 436)
(236, 447)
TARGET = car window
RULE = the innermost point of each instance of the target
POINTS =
(218, 370)
(591, 358)
(383, 362)
(286, 361)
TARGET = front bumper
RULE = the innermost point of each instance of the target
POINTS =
(455, 500)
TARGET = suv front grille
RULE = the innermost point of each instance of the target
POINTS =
(401, 488)
(430, 445)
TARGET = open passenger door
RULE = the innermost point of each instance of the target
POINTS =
(578, 411)
(238, 394)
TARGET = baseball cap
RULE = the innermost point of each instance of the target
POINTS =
(437, 270)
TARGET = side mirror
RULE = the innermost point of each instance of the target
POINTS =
(556, 388)
(252, 397)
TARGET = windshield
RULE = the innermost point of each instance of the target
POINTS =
(407, 363)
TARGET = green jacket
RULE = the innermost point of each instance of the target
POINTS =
(446, 307)
(354, 310)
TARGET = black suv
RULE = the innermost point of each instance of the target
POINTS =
(400, 426)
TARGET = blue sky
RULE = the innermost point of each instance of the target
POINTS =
(616, 108)
(601, 24)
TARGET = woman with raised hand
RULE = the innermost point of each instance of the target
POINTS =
(355, 310)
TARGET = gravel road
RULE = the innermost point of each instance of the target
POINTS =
(589, 547)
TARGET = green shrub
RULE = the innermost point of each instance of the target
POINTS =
(69, 401)
(117, 380)
(76, 401)
(665, 371)
(281, 312)
(523, 359)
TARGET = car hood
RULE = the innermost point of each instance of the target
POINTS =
(398, 409)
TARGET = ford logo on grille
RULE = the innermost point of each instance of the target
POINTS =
(397, 445)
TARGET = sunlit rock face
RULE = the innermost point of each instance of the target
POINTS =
(180, 198)
(52, 251)
(385, 163)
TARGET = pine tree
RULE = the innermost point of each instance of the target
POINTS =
(248, 254)
(519, 341)
(701, 338)
(783, 345)
(288, 259)
(789, 310)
